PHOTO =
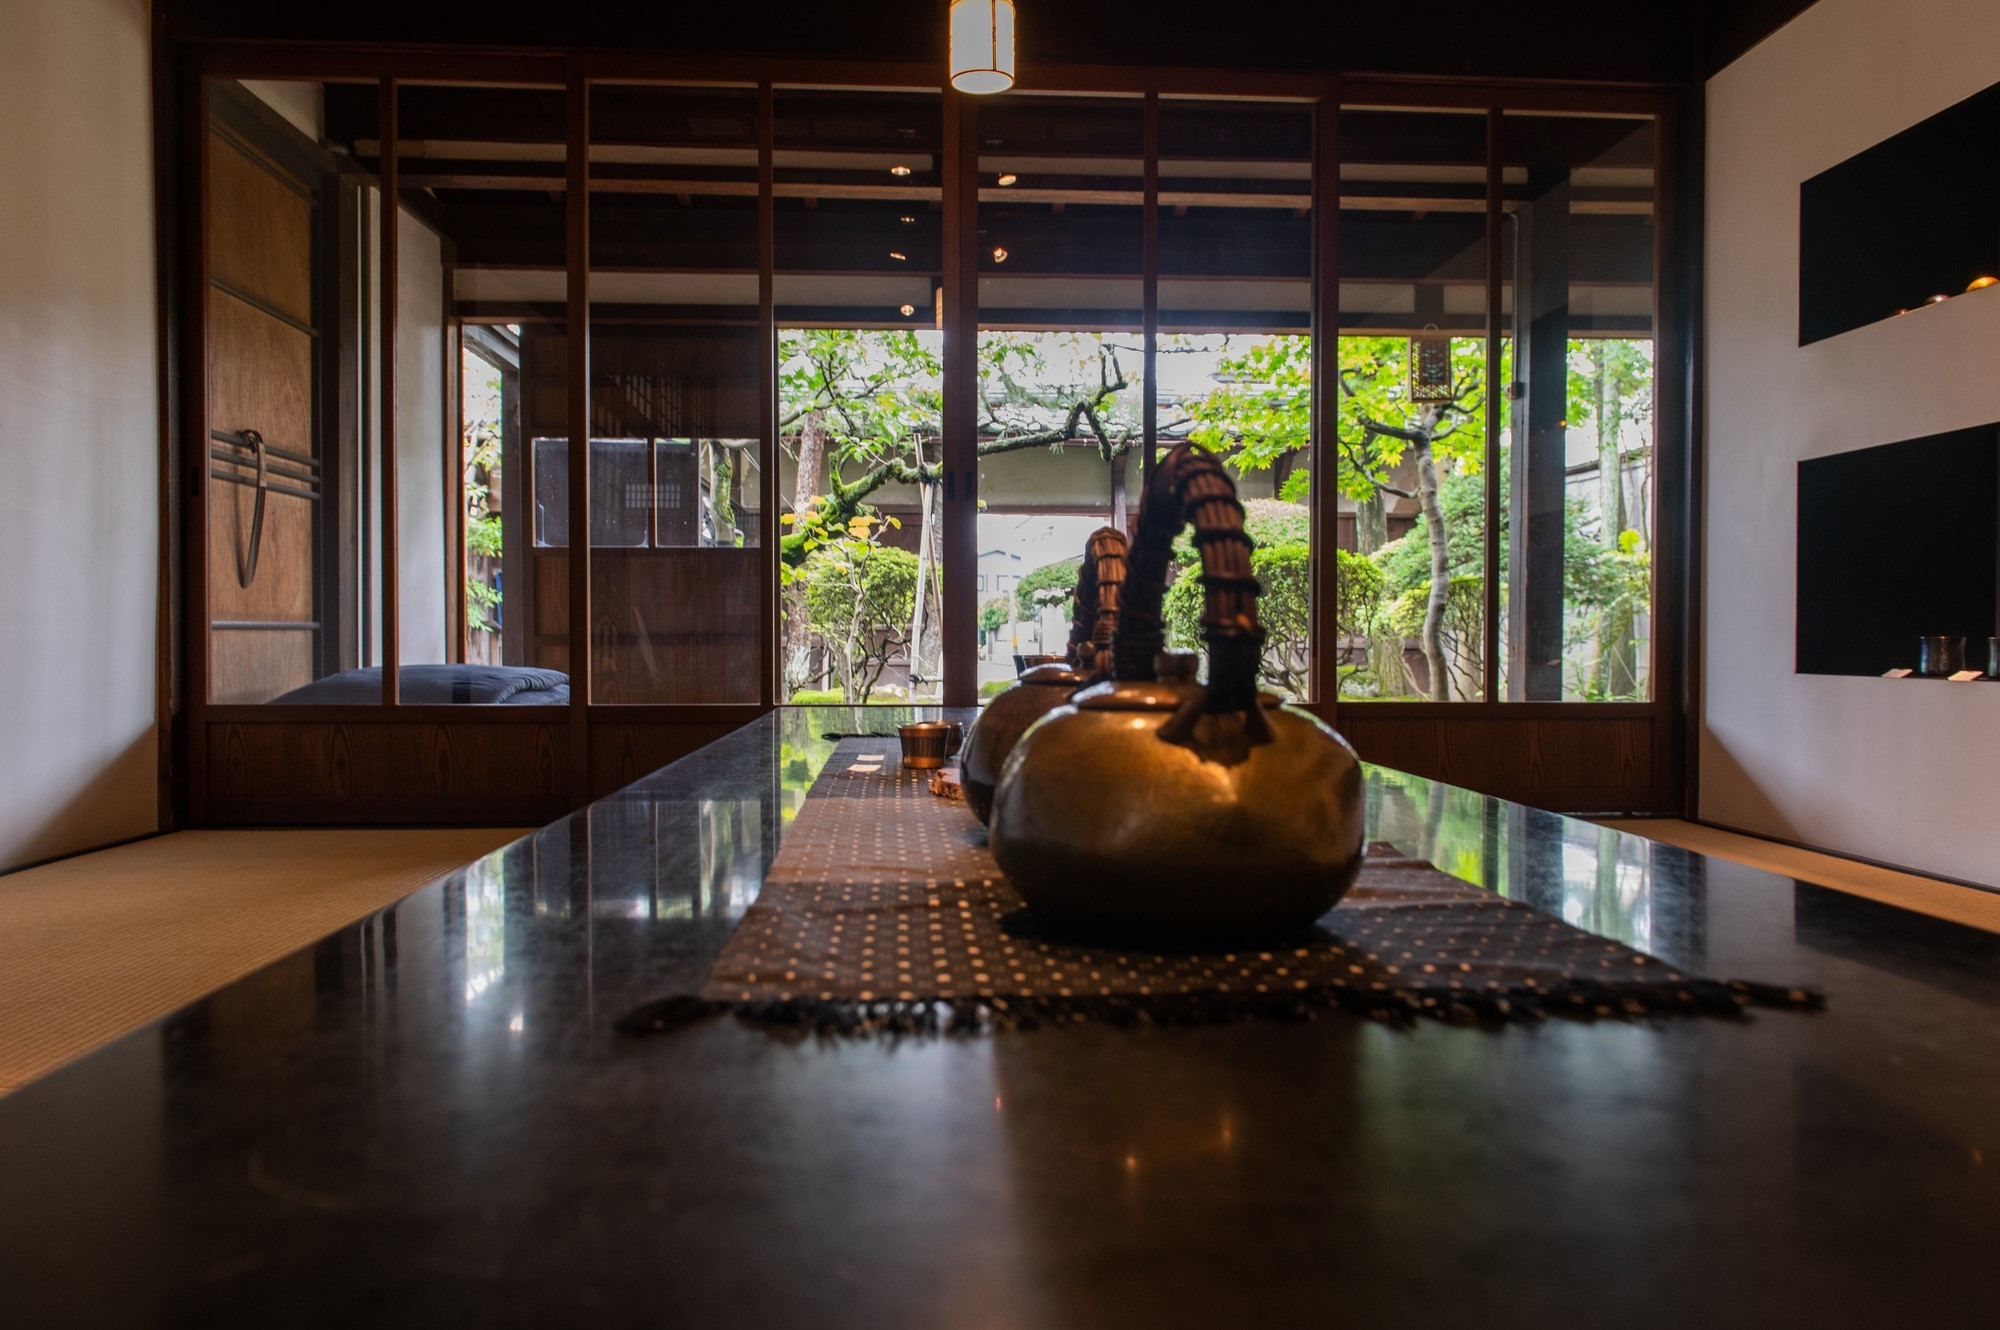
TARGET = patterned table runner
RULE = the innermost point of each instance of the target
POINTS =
(885, 910)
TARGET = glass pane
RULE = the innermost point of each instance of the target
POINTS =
(675, 457)
(293, 444)
(483, 227)
(1578, 472)
(489, 377)
(1235, 356)
(1412, 447)
(471, 163)
(1061, 358)
(859, 242)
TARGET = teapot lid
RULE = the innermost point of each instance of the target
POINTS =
(1058, 675)
(1138, 695)
(1150, 695)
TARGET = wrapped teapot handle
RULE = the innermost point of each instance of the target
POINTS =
(1094, 615)
(1190, 486)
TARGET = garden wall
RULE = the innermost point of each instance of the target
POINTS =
(1898, 771)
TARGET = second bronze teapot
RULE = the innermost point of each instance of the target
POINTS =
(1093, 618)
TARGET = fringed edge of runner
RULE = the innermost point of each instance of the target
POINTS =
(1575, 1000)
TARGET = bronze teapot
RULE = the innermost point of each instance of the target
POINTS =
(1094, 615)
(1163, 808)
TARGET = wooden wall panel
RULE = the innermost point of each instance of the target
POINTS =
(366, 771)
(1573, 763)
(258, 664)
(670, 626)
(282, 588)
(259, 374)
(674, 626)
(473, 772)
(621, 753)
(260, 231)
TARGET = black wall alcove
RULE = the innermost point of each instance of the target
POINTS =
(1915, 216)
(1897, 542)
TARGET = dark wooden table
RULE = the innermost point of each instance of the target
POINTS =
(427, 1119)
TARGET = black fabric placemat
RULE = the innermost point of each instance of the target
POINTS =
(884, 909)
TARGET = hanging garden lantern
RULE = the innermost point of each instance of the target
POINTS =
(1430, 368)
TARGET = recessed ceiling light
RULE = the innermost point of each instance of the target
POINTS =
(899, 169)
(1008, 177)
(999, 254)
(907, 221)
(899, 256)
(908, 310)
(1981, 283)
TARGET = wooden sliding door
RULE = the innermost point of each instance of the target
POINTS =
(264, 448)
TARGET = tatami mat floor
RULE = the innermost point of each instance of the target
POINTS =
(1911, 891)
(93, 946)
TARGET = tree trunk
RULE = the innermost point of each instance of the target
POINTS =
(925, 639)
(1427, 497)
(1371, 523)
(795, 645)
(852, 645)
(721, 476)
(1613, 672)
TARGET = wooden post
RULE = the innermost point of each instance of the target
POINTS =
(961, 401)
(1495, 393)
(577, 342)
(1538, 456)
(385, 431)
(1322, 670)
(1150, 288)
(769, 663)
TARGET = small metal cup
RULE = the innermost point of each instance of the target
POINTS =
(1940, 657)
(954, 738)
(925, 744)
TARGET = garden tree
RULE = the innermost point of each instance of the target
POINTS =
(1281, 561)
(872, 403)
(795, 630)
(1261, 412)
(1051, 586)
(718, 460)
(1600, 581)
(1611, 387)
(481, 457)
(1612, 585)
(1461, 630)
(1407, 580)
(1357, 604)
(995, 614)
(1379, 427)
(858, 594)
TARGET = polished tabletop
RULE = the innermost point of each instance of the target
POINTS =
(427, 1118)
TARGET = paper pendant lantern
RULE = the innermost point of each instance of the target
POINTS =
(982, 45)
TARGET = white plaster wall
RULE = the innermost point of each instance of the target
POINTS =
(421, 389)
(79, 428)
(1896, 771)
